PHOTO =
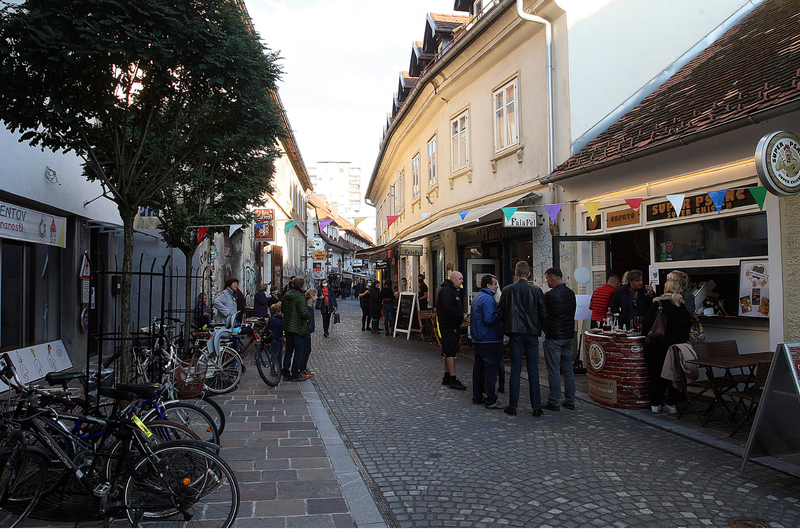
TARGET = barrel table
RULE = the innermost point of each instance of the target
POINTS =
(617, 371)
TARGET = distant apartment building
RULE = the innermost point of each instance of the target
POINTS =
(340, 184)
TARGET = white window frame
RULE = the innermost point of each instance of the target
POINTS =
(399, 195)
(415, 189)
(506, 129)
(459, 141)
(432, 178)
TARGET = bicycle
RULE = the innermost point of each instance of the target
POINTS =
(23, 477)
(182, 483)
(268, 365)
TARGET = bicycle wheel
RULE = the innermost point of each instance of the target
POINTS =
(182, 486)
(210, 407)
(224, 370)
(190, 416)
(22, 483)
(269, 368)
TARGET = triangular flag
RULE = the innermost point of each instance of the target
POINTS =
(357, 220)
(509, 212)
(289, 226)
(717, 196)
(463, 214)
(759, 194)
(591, 207)
(325, 223)
(677, 202)
(232, 229)
(552, 211)
(201, 233)
(425, 214)
(634, 203)
(391, 219)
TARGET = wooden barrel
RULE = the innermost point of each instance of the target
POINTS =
(617, 371)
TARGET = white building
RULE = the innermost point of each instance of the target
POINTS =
(340, 183)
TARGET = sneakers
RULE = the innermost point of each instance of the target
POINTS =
(669, 409)
(495, 406)
(655, 409)
(455, 384)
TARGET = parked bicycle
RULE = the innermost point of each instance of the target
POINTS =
(267, 363)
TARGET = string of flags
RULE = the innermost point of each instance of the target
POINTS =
(676, 200)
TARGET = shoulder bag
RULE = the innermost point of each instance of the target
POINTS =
(659, 328)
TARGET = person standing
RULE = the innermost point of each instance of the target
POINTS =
(601, 300)
(422, 293)
(327, 305)
(403, 284)
(487, 339)
(295, 329)
(363, 301)
(523, 313)
(273, 297)
(375, 306)
(260, 302)
(387, 303)
(559, 334)
(225, 305)
(202, 316)
(275, 325)
(450, 315)
(632, 299)
(311, 301)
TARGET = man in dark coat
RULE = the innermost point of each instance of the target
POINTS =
(632, 299)
(450, 315)
(559, 333)
(375, 305)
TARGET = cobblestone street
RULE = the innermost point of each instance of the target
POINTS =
(432, 458)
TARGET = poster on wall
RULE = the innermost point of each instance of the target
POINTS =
(754, 288)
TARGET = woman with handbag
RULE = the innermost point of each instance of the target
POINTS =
(668, 314)
(327, 305)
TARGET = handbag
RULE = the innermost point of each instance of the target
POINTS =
(336, 318)
(320, 303)
(659, 328)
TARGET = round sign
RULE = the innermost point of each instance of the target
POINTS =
(778, 163)
(597, 356)
(582, 275)
(669, 247)
(85, 319)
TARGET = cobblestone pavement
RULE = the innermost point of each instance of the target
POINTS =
(432, 458)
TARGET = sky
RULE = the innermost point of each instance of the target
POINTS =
(342, 61)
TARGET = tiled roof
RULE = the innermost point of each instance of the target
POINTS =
(447, 22)
(755, 66)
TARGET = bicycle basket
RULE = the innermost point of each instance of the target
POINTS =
(190, 377)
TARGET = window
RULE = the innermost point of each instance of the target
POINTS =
(415, 176)
(459, 134)
(506, 132)
(432, 162)
(398, 191)
(717, 238)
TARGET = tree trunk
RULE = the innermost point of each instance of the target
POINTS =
(127, 216)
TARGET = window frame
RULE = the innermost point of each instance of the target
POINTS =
(501, 115)
(459, 137)
(432, 156)
(415, 184)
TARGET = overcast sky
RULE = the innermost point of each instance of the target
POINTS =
(341, 60)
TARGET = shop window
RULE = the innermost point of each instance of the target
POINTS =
(521, 251)
(716, 238)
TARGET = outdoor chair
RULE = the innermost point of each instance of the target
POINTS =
(751, 396)
(427, 325)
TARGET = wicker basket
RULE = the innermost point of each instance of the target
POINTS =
(190, 377)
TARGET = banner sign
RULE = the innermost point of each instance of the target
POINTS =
(19, 223)
(699, 204)
(409, 249)
(265, 225)
(520, 219)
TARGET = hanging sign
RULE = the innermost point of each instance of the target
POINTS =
(520, 219)
(320, 255)
(265, 225)
(410, 249)
(778, 163)
(19, 223)
(623, 217)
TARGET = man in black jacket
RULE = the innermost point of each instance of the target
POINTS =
(450, 315)
(523, 313)
(559, 331)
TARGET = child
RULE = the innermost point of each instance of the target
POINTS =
(275, 325)
(311, 299)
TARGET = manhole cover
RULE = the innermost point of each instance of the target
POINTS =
(747, 522)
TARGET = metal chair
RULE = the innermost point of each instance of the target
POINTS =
(751, 395)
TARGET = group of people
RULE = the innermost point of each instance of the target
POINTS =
(628, 299)
(522, 312)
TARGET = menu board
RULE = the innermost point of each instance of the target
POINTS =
(754, 288)
(406, 307)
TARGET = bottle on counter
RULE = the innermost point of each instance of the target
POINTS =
(609, 319)
(615, 326)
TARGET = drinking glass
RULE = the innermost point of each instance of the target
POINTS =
(637, 324)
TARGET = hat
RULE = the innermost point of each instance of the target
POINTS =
(230, 280)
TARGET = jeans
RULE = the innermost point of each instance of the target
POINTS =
(529, 344)
(326, 321)
(558, 357)
(388, 316)
(277, 350)
(295, 345)
(484, 370)
(302, 364)
(364, 318)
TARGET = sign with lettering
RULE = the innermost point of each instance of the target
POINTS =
(604, 390)
(491, 233)
(699, 204)
(520, 219)
(778, 163)
(410, 249)
(623, 217)
(320, 255)
(405, 313)
(264, 225)
(380, 264)
(19, 223)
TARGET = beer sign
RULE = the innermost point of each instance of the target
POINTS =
(264, 225)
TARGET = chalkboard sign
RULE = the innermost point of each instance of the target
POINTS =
(406, 307)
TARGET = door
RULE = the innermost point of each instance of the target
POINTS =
(585, 261)
(477, 268)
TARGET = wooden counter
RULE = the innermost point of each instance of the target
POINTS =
(617, 371)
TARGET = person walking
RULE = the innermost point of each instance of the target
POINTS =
(311, 301)
(632, 299)
(523, 313)
(363, 301)
(487, 339)
(295, 329)
(375, 306)
(260, 302)
(327, 305)
(559, 334)
(601, 300)
(387, 303)
(450, 315)
(679, 324)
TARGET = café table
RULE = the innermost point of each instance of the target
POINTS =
(746, 364)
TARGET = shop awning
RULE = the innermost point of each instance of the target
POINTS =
(452, 220)
(374, 250)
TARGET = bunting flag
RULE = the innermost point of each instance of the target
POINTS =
(232, 229)
(591, 207)
(552, 211)
(391, 219)
(759, 194)
(634, 203)
(289, 226)
(509, 212)
(426, 214)
(677, 202)
(717, 196)
(357, 220)
(201, 233)
(325, 223)
(463, 214)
